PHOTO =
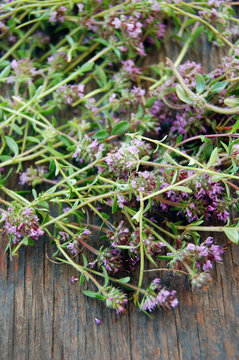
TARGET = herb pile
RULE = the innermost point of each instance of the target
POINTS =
(108, 144)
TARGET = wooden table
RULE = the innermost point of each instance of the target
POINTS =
(44, 316)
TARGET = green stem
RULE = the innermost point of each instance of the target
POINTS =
(141, 271)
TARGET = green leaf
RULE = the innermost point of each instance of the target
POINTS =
(164, 257)
(219, 86)
(82, 279)
(106, 276)
(101, 74)
(182, 188)
(235, 127)
(101, 135)
(120, 128)
(200, 83)
(136, 216)
(150, 102)
(124, 280)
(232, 102)
(33, 139)
(170, 159)
(182, 95)
(99, 297)
(126, 247)
(5, 72)
(27, 241)
(175, 231)
(198, 32)
(17, 129)
(89, 293)
(150, 258)
(34, 193)
(232, 234)
(5, 158)
(179, 139)
(86, 67)
(66, 141)
(12, 145)
(213, 158)
(85, 262)
(102, 41)
(115, 204)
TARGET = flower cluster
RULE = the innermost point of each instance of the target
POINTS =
(126, 158)
(122, 237)
(206, 199)
(23, 70)
(110, 258)
(144, 181)
(202, 256)
(88, 150)
(158, 296)
(21, 224)
(33, 176)
(58, 15)
(116, 299)
(74, 246)
(68, 94)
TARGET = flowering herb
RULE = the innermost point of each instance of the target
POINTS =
(94, 130)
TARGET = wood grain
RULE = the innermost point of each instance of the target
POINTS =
(44, 316)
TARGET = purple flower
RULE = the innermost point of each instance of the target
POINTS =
(73, 247)
(74, 279)
(120, 201)
(207, 265)
(117, 23)
(97, 321)
(87, 232)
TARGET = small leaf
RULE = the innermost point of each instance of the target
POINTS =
(17, 129)
(100, 135)
(82, 279)
(232, 234)
(89, 293)
(199, 30)
(150, 102)
(12, 145)
(182, 95)
(33, 139)
(213, 158)
(175, 231)
(182, 188)
(232, 102)
(115, 204)
(106, 276)
(235, 127)
(34, 193)
(85, 262)
(126, 247)
(179, 139)
(200, 83)
(136, 216)
(170, 159)
(219, 86)
(120, 128)
(5, 72)
(150, 258)
(86, 67)
(66, 141)
(124, 280)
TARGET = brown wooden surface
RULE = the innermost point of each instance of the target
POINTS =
(44, 316)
